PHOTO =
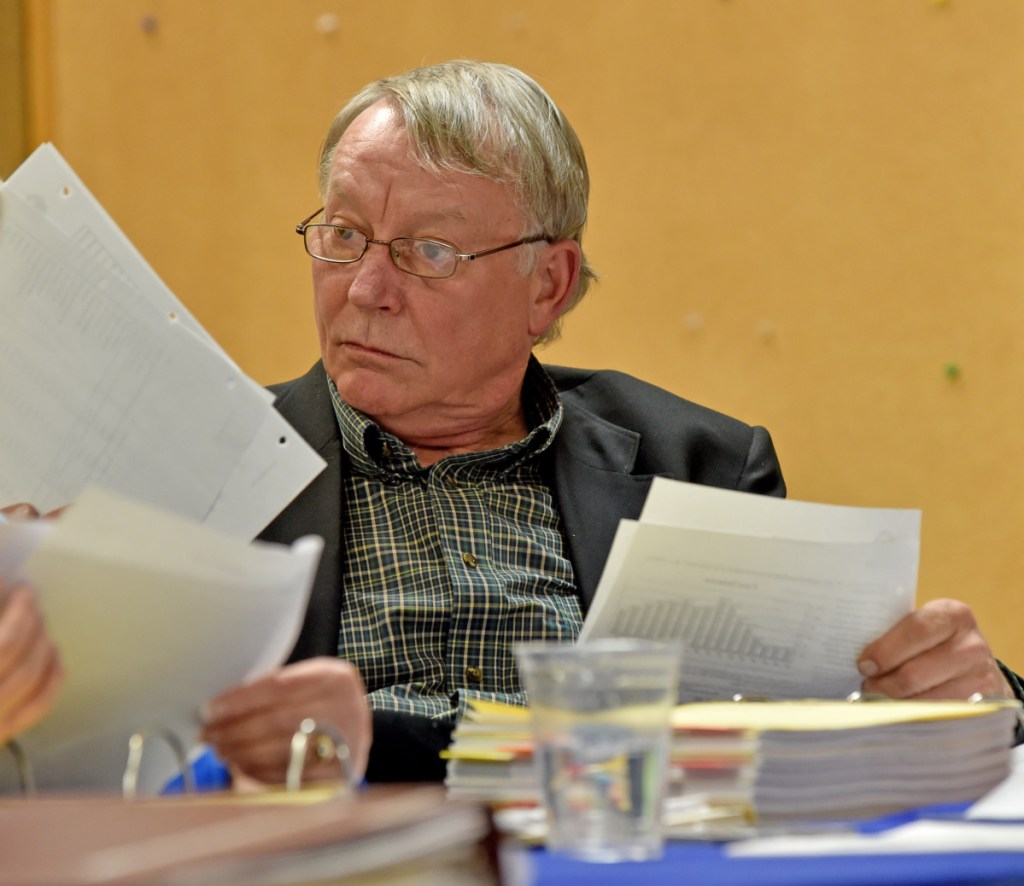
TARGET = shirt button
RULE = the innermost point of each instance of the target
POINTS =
(469, 559)
(475, 674)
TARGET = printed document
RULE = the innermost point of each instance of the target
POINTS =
(768, 597)
(108, 379)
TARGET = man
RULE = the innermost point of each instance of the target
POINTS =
(471, 494)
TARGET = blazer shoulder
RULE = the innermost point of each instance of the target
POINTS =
(313, 383)
(634, 403)
(677, 437)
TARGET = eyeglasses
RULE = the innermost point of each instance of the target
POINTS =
(434, 259)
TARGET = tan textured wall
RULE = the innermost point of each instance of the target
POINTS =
(12, 88)
(805, 212)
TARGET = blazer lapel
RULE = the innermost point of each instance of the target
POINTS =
(594, 488)
(317, 510)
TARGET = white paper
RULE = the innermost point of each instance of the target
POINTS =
(91, 393)
(1005, 802)
(768, 597)
(51, 186)
(927, 837)
(108, 379)
(692, 506)
(153, 615)
(276, 465)
(18, 539)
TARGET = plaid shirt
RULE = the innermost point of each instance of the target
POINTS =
(447, 567)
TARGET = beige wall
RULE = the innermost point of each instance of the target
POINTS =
(12, 88)
(804, 211)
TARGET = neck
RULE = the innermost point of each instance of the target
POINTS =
(431, 448)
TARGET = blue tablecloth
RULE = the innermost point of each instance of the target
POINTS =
(705, 864)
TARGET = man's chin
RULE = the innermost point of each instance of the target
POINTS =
(371, 392)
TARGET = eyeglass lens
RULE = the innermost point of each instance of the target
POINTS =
(424, 258)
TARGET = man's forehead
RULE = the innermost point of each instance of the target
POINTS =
(442, 206)
(429, 195)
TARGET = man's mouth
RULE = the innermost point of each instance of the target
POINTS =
(369, 350)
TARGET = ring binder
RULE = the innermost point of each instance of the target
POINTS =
(326, 743)
(26, 777)
(136, 745)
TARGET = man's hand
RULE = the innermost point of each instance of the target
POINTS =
(30, 668)
(937, 652)
(251, 726)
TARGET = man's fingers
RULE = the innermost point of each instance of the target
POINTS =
(21, 510)
(280, 721)
(38, 699)
(936, 652)
(303, 684)
(267, 760)
(21, 626)
(251, 727)
(913, 635)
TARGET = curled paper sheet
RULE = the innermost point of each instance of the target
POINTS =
(153, 615)
(108, 379)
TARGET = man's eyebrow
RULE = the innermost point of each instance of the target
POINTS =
(424, 217)
(453, 213)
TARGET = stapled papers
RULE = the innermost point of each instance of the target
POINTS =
(108, 379)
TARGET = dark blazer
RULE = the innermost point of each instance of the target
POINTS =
(617, 434)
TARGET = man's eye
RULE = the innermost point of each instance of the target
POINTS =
(346, 234)
(433, 252)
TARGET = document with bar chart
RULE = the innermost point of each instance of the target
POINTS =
(768, 597)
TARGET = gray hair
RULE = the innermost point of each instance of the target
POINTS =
(494, 121)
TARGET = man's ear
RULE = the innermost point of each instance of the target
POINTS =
(557, 272)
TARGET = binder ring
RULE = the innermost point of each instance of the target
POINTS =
(26, 777)
(136, 744)
(860, 696)
(981, 698)
(326, 743)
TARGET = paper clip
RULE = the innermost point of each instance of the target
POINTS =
(26, 777)
(136, 744)
(326, 743)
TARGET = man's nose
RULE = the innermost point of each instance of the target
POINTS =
(376, 283)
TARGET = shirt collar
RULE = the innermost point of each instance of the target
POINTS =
(375, 452)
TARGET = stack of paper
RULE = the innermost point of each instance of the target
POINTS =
(108, 380)
(491, 755)
(798, 760)
(767, 597)
(785, 761)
